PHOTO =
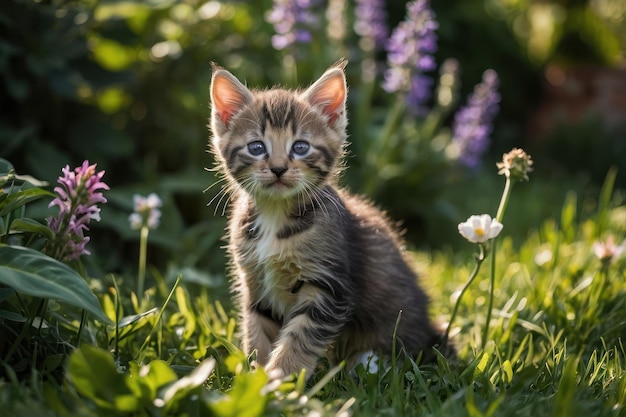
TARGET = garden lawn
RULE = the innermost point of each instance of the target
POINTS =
(555, 345)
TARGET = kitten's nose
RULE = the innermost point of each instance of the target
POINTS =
(278, 171)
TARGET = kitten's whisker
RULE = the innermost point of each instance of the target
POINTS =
(220, 180)
(226, 204)
(334, 200)
(220, 201)
(306, 194)
(315, 201)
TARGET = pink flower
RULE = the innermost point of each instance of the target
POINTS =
(608, 250)
(77, 198)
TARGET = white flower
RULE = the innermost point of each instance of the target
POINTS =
(479, 229)
(146, 211)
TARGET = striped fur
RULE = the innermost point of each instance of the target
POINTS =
(318, 272)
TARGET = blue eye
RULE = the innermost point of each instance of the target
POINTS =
(300, 147)
(256, 148)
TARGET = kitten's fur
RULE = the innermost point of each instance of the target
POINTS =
(317, 271)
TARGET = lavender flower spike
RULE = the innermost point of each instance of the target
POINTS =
(293, 22)
(473, 123)
(77, 199)
(410, 53)
(371, 21)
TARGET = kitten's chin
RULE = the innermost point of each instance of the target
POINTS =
(278, 189)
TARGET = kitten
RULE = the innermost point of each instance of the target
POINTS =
(317, 270)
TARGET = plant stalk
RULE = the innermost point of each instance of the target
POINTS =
(143, 250)
(479, 260)
(492, 280)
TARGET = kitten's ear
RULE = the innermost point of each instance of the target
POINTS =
(329, 93)
(228, 95)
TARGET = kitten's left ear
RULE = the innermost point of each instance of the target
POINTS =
(329, 93)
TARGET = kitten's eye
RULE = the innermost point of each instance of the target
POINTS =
(300, 147)
(256, 148)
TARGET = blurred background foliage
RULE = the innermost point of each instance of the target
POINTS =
(125, 85)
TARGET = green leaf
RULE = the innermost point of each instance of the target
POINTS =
(12, 316)
(188, 383)
(245, 399)
(507, 369)
(151, 377)
(604, 200)
(127, 320)
(52, 362)
(21, 198)
(5, 166)
(94, 374)
(33, 273)
(31, 226)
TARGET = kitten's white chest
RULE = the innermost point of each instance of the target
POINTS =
(279, 261)
(267, 243)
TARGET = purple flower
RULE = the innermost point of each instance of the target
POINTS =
(146, 212)
(293, 22)
(409, 54)
(371, 21)
(473, 123)
(77, 196)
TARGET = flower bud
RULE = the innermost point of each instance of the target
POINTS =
(515, 165)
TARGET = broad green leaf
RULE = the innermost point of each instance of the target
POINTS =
(245, 399)
(21, 198)
(12, 316)
(5, 166)
(186, 384)
(32, 226)
(94, 374)
(151, 377)
(33, 273)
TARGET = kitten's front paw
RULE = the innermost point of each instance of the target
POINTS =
(290, 364)
(274, 374)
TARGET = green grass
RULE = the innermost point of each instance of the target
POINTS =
(555, 345)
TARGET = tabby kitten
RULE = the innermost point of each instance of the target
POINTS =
(317, 270)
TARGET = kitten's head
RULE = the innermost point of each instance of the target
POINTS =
(279, 143)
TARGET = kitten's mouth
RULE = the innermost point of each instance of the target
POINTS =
(278, 185)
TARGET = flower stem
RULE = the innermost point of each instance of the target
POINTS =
(503, 203)
(505, 199)
(117, 319)
(479, 260)
(143, 249)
